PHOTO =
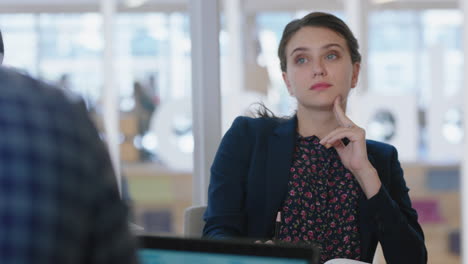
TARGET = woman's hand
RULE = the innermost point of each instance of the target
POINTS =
(354, 154)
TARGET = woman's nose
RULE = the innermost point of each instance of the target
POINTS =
(318, 73)
(318, 69)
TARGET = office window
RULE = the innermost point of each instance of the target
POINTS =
(20, 36)
(153, 71)
(394, 39)
(402, 45)
(70, 51)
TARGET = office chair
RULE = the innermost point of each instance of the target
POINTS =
(193, 221)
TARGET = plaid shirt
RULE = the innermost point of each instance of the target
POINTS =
(59, 201)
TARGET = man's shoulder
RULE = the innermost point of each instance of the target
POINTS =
(40, 107)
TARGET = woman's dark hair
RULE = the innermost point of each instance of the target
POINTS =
(318, 19)
(259, 109)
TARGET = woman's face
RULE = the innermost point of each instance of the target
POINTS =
(319, 67)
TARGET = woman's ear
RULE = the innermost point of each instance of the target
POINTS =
(355, 77)
(288, 84)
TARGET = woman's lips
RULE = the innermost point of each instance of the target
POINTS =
(320, 86)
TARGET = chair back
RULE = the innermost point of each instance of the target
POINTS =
(193, 221)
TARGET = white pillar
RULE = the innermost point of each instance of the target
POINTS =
(110, 89)
(357, 19)
(233, 10)
(464, 161)
(204, 21)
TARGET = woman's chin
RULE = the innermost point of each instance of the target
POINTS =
(325, 106)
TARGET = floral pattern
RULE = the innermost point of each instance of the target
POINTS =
(322, 202)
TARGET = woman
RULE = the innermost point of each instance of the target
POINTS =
(329, 184)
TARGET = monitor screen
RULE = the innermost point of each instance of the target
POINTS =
(156, 256)
(165, 250)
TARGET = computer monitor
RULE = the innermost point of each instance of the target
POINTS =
(165, 250)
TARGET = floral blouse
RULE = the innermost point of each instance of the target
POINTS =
(322, 202)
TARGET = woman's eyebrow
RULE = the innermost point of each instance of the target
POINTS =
(327, 46)
(333, 45)
(299, 49)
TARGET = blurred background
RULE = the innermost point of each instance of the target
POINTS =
(410, 92)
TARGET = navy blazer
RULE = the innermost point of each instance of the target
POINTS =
(249, 180)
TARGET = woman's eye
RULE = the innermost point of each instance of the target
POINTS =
(301, 60)
(331, 56)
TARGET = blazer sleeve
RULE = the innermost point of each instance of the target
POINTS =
(225, 215)
(395, 221)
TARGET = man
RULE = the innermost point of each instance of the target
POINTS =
(59, 201)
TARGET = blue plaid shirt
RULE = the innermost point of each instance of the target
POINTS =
(59, 201)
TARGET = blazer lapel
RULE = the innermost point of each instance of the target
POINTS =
(365, 231)
(279, 157)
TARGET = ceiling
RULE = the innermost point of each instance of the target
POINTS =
(251, 6)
